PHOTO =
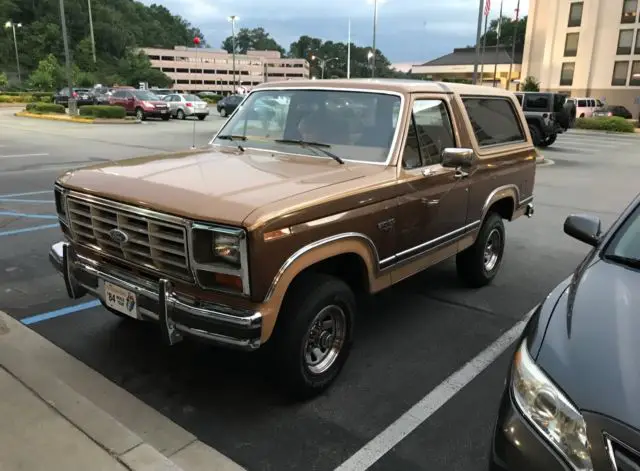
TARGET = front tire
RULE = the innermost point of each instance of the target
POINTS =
(549, 140)
(223, 112)
(479, 264)
(140, 114)
(202, 117)
(314, 334)
(536, 135)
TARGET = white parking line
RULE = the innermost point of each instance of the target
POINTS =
(428, 405)
(15, 156)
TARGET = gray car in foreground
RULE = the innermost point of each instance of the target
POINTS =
(571, 396)
(184, 104)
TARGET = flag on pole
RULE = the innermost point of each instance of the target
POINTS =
(499, 27)
(487, 7)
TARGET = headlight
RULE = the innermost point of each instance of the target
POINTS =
(61, 204)
(227, 248)
(220, 258)
(550, 411)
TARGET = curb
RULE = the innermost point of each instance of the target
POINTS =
(73, 119)
(40, 366)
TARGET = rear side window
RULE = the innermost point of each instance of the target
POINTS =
(582, 103)
(535, 102)
(494, 120)
(592, 103)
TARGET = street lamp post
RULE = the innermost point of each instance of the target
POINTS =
(67, 59)
(233, 19)
(12, 25)
(323, 63)
(375, 25)
(93, 39)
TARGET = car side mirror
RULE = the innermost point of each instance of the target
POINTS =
(458, 157)
(584, 227)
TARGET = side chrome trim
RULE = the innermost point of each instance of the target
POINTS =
(300, 252)
(396, 134)
(526, 200)
(428, 245)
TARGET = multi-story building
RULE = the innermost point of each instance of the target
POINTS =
(587, 48)
(204, 69)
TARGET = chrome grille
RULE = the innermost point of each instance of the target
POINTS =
(152, 243)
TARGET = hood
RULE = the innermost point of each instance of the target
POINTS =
(592, 344)
(217, 185)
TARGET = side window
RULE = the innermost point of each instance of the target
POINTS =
(592, 103)
(536, 102)
(117, 94)
(430, 133)
(494, 120)
(582, 103)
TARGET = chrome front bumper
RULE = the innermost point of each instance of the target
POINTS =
(176, 315)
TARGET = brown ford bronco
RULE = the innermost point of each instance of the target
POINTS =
(310, 194)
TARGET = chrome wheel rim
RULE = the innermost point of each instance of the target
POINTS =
(139, 114)
(325, 339)
(492, 250)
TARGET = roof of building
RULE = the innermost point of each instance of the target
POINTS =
(467, 56)
(384, 84)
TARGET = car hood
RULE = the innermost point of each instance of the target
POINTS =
(218, 184)
(592, 344)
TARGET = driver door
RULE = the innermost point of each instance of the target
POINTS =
(433, 204)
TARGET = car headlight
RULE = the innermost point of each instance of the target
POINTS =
(220, 258)
(551, 413)
(61, 203)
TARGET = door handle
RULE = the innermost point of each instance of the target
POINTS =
(460, 174)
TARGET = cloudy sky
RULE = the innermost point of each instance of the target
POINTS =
(409, 31)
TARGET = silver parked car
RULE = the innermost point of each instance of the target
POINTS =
(183, 105)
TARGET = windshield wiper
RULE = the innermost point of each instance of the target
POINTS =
(232, 137)
(621, 259)
(321, 146)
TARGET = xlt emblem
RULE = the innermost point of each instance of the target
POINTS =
(118, 236)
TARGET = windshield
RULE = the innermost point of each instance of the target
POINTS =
(192, 98)
(145, 95)
(356, 126)
(626, 242)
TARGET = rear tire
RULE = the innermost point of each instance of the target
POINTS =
(314, 334)
(180, 114)
(202, 118)
(479, 264)
(223, 112)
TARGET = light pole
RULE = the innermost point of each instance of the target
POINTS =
(67, 59)
(12, 25)
(233, 19)
(478, 35)
(323, 62)
(93, 39)
(375, 25)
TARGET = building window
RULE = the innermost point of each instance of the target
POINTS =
(629, 11)
(635, 74)
(620, 72)
(625, 41)
(494, 121)
(571, 45)
(566, 73)
(575, 14)
(637, 47)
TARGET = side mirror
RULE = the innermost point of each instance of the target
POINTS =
(458, 157)
(584, 227)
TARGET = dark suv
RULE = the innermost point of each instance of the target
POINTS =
(545, 114)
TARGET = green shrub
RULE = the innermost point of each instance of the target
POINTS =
(212, 99)
(615, 124)
(24, 98)
(44, 108)
(103, 111)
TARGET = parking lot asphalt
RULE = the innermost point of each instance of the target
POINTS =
(409, 339)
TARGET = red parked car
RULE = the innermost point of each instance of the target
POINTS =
(142, 103)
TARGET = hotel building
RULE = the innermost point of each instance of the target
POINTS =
(587, 48)
(205, 69)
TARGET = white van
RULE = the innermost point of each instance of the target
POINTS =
(585, 106)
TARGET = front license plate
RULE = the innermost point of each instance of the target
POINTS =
(121, 300)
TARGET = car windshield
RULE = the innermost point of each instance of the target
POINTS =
(145, 95)
(192, 98)
(625, 244)
(356, 126)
